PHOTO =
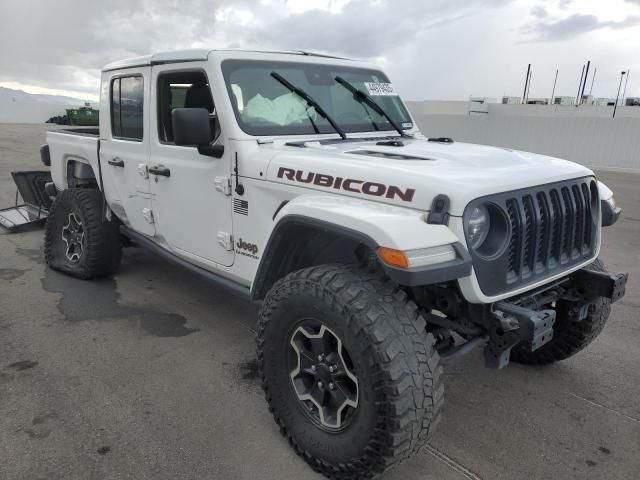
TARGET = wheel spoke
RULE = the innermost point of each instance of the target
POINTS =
(73, 237)
(321, 377)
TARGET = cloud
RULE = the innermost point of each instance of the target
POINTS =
(364, 29)
(564, 4)
(63, 44)
(539, 12)
(434, 49)
(574, 25)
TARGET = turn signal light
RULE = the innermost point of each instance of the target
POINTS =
(422, 257)
(394, 258)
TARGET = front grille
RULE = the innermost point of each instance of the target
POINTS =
(550, 228)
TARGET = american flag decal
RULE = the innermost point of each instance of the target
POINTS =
(241, 207)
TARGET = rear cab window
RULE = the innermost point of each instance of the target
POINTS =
(127, 103)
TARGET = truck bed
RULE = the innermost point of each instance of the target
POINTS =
(84, 131)
(71, 144)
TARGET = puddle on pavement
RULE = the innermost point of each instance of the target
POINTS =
(11, 273)
(98, 300)
(249, 370)
(33, 254)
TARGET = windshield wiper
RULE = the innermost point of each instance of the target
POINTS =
(362, 97)
(310, 101)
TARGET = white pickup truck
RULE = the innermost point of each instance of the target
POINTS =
(302, 183)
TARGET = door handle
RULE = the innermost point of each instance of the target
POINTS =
(116, 162)
(160, 170)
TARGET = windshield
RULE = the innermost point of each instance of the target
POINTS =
(264, 106)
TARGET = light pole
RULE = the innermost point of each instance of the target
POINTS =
(553, 92)
(624, 91)
(615, 106)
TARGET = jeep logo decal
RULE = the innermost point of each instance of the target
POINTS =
(349, 184)
(251, 248)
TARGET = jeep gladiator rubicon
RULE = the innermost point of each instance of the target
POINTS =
(302, 183)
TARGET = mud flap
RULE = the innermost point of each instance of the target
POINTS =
(34, 209)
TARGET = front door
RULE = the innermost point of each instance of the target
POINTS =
(124, 149)
(190, 201)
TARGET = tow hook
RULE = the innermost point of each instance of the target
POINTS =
(514, 324)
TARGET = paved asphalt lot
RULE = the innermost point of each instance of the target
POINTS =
(151, 376)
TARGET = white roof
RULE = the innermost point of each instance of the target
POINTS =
(193, 55)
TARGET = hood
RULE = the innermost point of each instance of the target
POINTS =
(414, 172)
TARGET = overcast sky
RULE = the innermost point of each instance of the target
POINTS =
(440, 49)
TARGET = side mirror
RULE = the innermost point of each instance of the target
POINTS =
(215, 151)
(192, 127)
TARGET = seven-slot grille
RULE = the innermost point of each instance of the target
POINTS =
(551, 228)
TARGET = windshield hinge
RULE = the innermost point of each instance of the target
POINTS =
(223, 184)
(225, 239)
(147, 214)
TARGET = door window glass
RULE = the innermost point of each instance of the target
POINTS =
(127, 102)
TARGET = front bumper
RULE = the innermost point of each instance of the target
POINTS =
(610, 213)
(525, 320)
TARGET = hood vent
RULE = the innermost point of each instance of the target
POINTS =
(389, 155)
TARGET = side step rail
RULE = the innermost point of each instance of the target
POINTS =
(234, 287)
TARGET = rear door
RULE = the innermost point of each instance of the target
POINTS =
(192, 197)
(124, 148)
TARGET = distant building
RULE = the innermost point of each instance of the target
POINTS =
(563, 100)
(587, 100)
(604, 102)
(632, 102)
(538, 101)
(511, 101)
(480, 105)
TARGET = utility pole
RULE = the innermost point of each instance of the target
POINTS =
(526, 83)
(593, 78)
(624, 92)
(579, 85)
(615, 106)
(553, 92)
(584, 83)
(529, 87)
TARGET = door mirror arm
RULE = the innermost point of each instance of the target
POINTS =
(215, 151)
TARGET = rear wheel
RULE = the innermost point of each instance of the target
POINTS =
(569, 335)
(349, 372)
(78, 240)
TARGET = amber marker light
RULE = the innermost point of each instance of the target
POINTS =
(419, 258)
(394, 258)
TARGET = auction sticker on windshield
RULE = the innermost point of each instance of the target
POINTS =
(380, 89)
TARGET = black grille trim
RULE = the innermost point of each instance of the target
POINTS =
(552, 228)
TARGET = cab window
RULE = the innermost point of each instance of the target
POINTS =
(183, 90)
(127, 102)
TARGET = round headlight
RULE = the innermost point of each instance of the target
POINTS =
(478, 226)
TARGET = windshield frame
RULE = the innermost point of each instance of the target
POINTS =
(385, 128)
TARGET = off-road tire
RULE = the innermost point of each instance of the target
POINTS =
(101, 246)
(393, 356)
(569, 336)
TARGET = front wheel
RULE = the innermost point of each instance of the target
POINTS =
(348, 370)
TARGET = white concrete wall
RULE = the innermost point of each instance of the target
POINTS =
(592, 141)
(440, 107)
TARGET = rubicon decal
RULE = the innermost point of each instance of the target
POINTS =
(246, 248)
(348, 184)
